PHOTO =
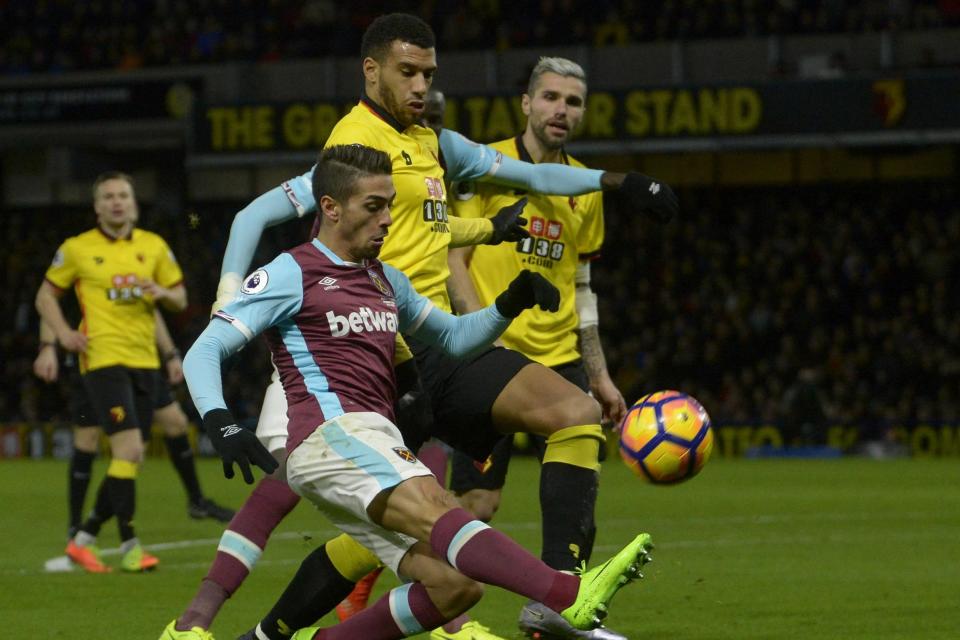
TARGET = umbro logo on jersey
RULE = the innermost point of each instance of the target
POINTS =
(229, 430)
(406, 158)
(98, 259)
(654, 188)
(328, 283)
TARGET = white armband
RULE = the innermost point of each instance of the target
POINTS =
(585, 298)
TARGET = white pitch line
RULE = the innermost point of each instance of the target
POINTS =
(62, 564)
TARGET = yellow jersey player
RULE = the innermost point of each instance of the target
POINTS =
(566, 233)
(119, 274)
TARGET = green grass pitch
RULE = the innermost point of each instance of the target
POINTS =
(749, 549)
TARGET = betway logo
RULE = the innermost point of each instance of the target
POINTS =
(364, 319)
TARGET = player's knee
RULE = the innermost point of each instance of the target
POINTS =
(459, 592)
(575, 410)
(172, 420)
(585, 410)
(127, 445)
(482, 503)
(86, 439)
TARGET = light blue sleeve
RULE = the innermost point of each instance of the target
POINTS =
(292, 199)
(411, 306)
(202, 364)
(458, 336)
(267, 296)
(467, 160)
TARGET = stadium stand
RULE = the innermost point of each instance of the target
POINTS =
(57, 36)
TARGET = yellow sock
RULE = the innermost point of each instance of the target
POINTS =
(579, 446)
(123, 469)
(350, 558)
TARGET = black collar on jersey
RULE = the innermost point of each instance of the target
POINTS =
(381, 113)
(111, 238)
(524, 155)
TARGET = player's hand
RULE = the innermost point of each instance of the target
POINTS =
(235, 444)
(525, 291)
(651, 197)
(152, 289)
(610, 399)
(508, 223)
(47, 366)
(175, 369)
(73, 341)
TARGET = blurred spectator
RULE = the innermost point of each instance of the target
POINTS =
(57, 35)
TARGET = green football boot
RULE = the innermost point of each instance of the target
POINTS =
(600, 584)
(137, 560)
(196, 633)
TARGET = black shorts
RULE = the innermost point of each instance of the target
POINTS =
(462, 393)
(85, 416)
(118, 398)
(161, 391)
(467, 474)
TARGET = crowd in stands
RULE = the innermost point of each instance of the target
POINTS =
(821, 304)
(836, 305)
(61, 35)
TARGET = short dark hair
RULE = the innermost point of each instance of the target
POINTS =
(110, 175)
(395, 26)
(339, 167)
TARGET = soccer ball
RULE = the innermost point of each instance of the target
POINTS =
(666, 438)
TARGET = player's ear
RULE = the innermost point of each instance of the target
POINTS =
(525, 104)
(330, 208)
(371, 70)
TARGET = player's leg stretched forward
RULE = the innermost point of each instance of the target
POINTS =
(450, 538)
(525, 396)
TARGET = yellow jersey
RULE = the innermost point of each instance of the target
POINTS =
(106, 273)
(420, 234)
(564, 231)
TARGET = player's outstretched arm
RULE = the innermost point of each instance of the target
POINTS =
(463, 336)
(202, 371)
(467, 160)
(290, 200)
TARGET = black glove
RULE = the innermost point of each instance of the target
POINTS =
(508, 223)
(526, 290)
(651, 197)
(235, 444)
